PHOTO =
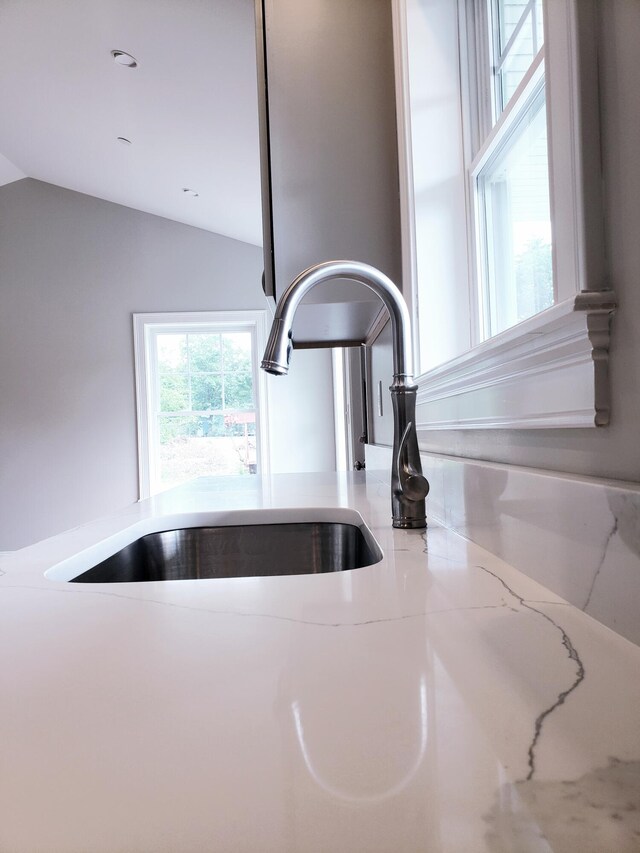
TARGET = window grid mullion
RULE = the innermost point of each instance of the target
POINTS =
(189, 371)
(496, 83)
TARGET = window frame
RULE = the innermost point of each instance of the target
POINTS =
(145, 327)
(552, 369)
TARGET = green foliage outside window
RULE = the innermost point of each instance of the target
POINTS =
(204, 373)
(534, 278)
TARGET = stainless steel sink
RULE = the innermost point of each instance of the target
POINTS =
(249, 550)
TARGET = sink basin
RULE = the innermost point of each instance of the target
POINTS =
(239, 550)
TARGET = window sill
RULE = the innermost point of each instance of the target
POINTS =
(548, 372)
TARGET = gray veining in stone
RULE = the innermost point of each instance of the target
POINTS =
(612, 533)
(564, 694)
(592, 814)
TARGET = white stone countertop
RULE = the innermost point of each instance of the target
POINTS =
(437, 701)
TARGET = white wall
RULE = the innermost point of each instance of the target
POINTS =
(9, 172)
(438, 180)
(301, 413)
(73, 269)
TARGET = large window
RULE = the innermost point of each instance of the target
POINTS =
(199, 397)
(503, 248)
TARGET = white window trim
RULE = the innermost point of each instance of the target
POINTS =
(497, 383)
(143, 325)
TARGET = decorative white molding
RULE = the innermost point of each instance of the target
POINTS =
(549, 371)
(576, 535)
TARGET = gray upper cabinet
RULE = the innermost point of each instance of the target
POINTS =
(329, 155)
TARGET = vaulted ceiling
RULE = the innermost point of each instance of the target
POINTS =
(189, 109)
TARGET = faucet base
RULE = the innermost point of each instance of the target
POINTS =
(409, 487)
(409, 523)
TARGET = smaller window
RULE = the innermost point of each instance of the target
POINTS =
(198, 397)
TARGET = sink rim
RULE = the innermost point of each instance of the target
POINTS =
(70, 568)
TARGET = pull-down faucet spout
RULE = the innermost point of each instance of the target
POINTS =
(408, 485)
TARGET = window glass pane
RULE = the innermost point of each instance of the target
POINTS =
(238, 373)
(204, 353)
(519, 37)
(510, 14)
(172, 352)
(198, 446)
(236, 347)
(516, 62)
(204, 372)
(539, 23)
(238, 389)
(170, 428)
(514, 194)
(174, 392)
(206, 392)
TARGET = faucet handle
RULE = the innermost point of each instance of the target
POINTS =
(412, 482)
(414, 486)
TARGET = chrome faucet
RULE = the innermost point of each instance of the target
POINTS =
(409, 487)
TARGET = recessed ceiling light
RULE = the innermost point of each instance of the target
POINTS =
(190, 193)
(122, 58)
(124, 141)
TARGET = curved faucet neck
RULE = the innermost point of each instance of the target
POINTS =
(376, 281)
(408, 486)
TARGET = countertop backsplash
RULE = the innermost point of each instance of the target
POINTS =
(578, 536)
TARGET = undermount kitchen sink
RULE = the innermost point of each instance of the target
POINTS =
(233, 545)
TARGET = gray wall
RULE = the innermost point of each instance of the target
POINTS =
(72, 271)
(612, 451)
